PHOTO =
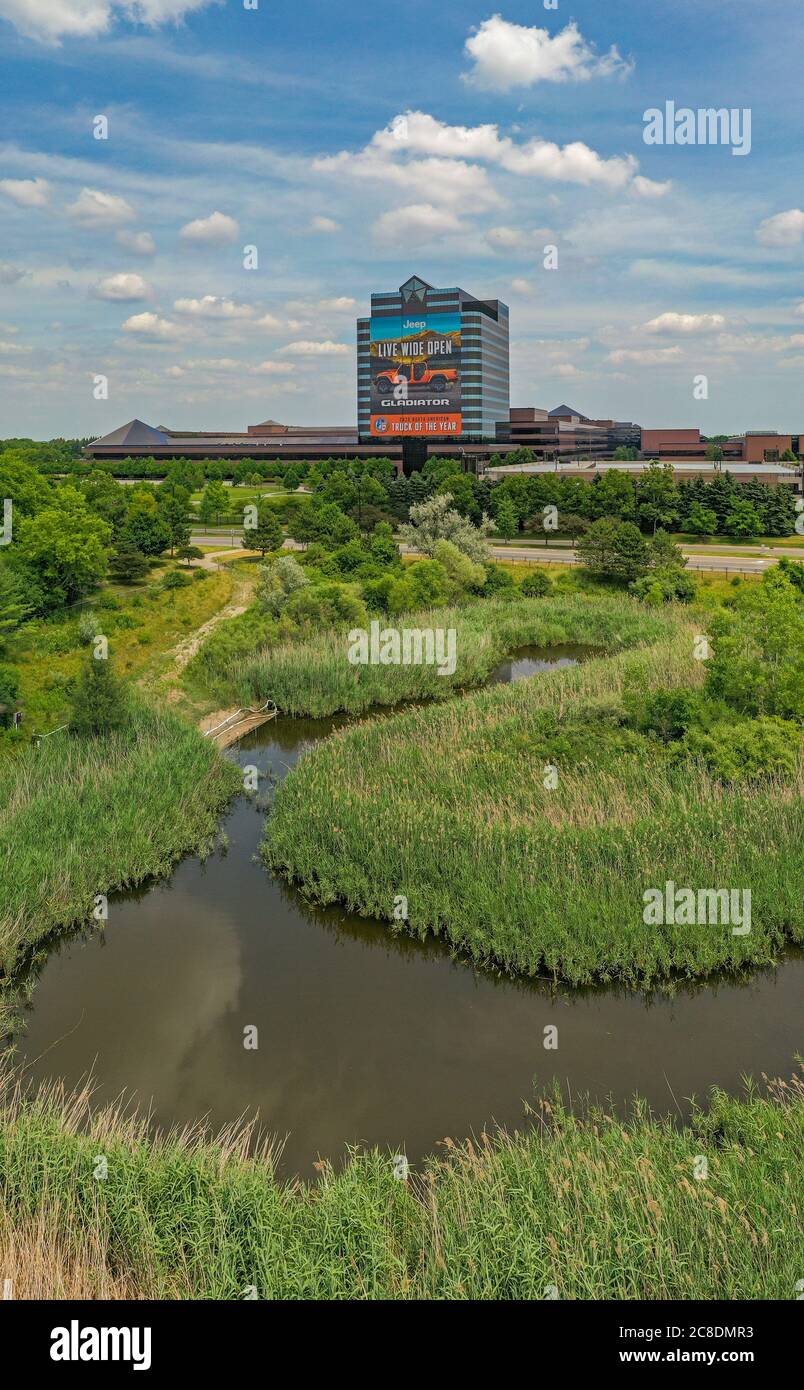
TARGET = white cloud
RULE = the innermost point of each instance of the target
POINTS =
(565, 369)
(216, 230)
(273, 368)
(418, 132)
(211, 306)
(93, 208)
(26, 193)
(305, 348)
(138, 243)
(509, 55)
(645, 357)
(650, 188)
(685, 323)
(435, 179)
(268, 321)
(6, 347)
(50, 20)
(10, 274)
(324, 224)
(150, 325)
(121, 288)
(516, 238)
(522, 287)
(414, 224)
(785, 229)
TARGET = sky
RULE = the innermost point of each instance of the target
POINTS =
(344, 147)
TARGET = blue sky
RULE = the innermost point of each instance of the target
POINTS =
(354, 144)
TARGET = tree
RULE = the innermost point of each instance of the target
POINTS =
(743, 519)
(632, 553)
(506, 520)
(757, 665)
(596, 548)
(463, 575)
(383, 547)
(572, 526)
(701, 521)
(214, 502)
(615, 550)
(714, 452)
(99, 703)
(66, 546)
(15, 604)
(127, 565)
(174, 515)
(612, 494)
(145, 528)
(435, 520)
(278, 581)
(190, 553)
(657, 495)
(267, 534)
(20, 481)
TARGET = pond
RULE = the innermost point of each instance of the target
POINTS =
(363, 1036)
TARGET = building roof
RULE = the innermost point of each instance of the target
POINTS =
(135, 433)
(567, 410)
(754, 470)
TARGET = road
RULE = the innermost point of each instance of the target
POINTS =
(723, 562)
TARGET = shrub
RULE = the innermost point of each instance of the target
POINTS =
(278, 582)
(87, 627)
(745, 750)
(536, 585)
(174, 580)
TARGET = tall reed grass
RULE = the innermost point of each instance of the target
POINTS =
(446, 807)
(579, 1206)
(82, 817)
(315, 677)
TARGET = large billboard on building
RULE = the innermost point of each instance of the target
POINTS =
(416, 374)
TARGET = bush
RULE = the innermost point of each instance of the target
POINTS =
(498, 582)
(665, 585)
(745, 750)
(174, 580)
(87, 627)
(536, 585)
(278, 582)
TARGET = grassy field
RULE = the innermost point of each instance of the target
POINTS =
(315, 678)
(142, 622)
(574, 1208)
(447, 807)
(82, 817)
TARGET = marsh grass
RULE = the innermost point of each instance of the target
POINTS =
(315, 677)
(79, 817)
(446, 806)
(598, 1206)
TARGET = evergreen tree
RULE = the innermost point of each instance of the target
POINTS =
(127, 565)
(267, 534)
(99, 701)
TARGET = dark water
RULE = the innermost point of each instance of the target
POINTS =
(364, 1037)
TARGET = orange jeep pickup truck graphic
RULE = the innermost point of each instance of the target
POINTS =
(420, 374)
